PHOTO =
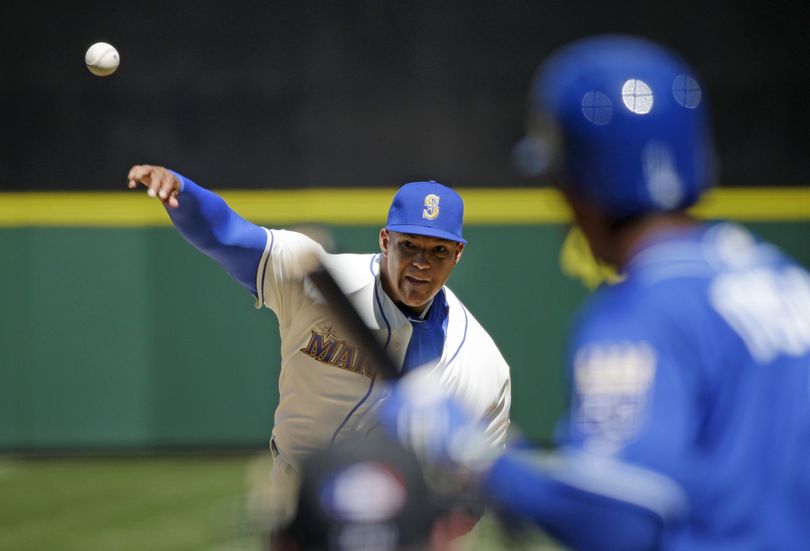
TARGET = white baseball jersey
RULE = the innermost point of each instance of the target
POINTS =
(326, 389)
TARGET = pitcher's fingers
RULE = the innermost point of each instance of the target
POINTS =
(156, 180)
(167, 184)
(140, 173)
(172, 201)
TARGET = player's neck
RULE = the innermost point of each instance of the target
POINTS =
(628, 239)
(419, 313)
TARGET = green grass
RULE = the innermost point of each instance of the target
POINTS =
(102, 504)
(154, 504)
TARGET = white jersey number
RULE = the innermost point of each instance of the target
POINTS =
(769, 310)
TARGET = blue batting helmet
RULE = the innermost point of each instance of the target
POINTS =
(623, 122)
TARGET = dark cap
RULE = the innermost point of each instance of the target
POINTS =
(362, 494)
(427, 208)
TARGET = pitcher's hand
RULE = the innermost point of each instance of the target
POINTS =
(159, 181)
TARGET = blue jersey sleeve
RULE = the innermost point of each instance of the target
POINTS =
(522, 487)
(206, 221)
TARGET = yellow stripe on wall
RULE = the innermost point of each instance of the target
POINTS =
(756, 204)
(341, 206)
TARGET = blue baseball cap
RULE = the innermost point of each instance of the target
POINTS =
(427, 208)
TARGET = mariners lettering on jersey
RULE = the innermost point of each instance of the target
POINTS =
(612, 381)
(325, 347)
(431, 210)
(768, 309)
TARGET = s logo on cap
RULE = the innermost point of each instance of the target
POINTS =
(431, 210)
(415, 210)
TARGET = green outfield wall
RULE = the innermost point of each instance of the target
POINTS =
(115, 334)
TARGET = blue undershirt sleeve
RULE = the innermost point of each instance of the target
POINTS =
(206, 221)
(522, 490)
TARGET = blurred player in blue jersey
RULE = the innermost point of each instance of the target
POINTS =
(689, 421)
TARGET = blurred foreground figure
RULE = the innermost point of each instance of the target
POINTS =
(364, 494)
(689, 420)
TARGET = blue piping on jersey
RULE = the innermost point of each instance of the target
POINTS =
(374, 378)
(355, 408)
(463, 338)
(260, 294)
(379, 305)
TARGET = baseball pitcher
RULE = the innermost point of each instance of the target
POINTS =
(327, 388)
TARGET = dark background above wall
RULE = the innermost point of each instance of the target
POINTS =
(319, 93)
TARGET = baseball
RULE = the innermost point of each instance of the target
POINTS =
(101, 59)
